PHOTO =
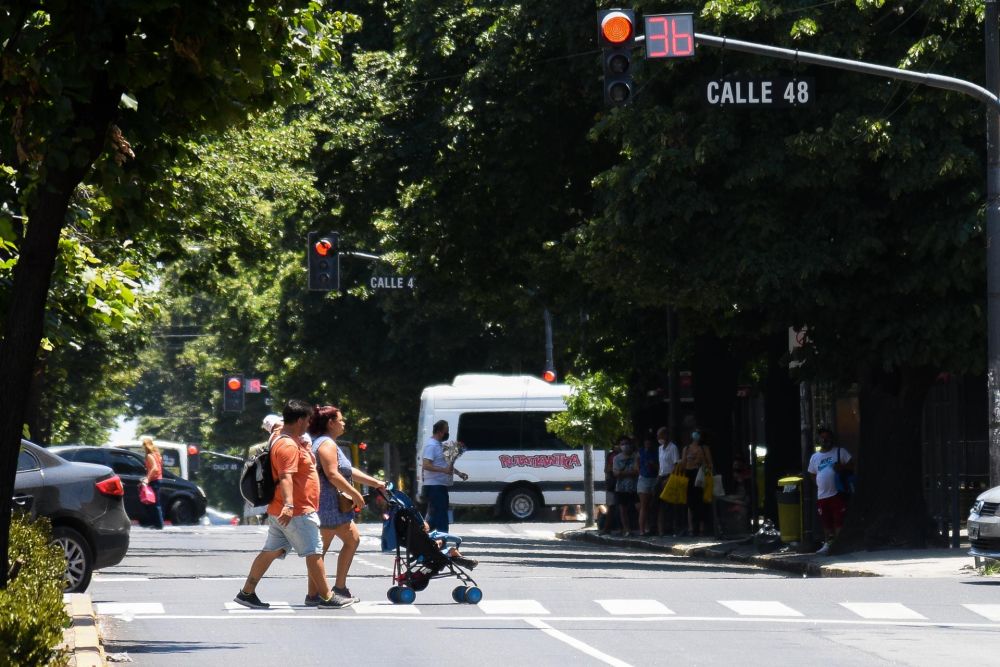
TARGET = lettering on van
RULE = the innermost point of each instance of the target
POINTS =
(567, 461)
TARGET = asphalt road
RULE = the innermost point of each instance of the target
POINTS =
(545, 602)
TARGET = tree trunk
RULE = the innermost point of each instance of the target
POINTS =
(24, 322)
(781, 423)
(888, 508)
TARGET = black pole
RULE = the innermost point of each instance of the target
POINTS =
(992, 239)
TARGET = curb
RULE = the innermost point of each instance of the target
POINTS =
(82, 639)
(730, 550)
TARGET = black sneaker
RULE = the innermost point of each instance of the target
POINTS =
(335, 601)
(250, 600)
(313, 600)
(467, 563)
(345, 593)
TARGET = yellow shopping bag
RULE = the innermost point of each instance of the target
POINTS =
(706, 495)
(675, 490)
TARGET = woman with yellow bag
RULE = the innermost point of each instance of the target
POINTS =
(697, 460)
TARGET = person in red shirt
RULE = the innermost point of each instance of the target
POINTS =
(291, 516)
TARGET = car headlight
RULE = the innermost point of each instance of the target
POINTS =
(977, 507)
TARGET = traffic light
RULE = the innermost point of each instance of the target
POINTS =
(232, 393)
(616, 35)
(549, 376)
(324, 261)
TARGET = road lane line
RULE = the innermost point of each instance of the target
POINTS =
(634, 607)
(370, 564)
(759, 608)
(275, 608)
(575, 643)
(516, 607)
(890, 611)
(990, 611)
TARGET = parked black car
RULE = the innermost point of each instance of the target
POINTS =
(183, 501)
(84, 504)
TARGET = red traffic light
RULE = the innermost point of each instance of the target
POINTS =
(323, 247)
(549, 376)
(234, 384)
(616, 28)
(362, 446)
(192, 450)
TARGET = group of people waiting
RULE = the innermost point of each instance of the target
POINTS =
(312, 476)
(635, 477)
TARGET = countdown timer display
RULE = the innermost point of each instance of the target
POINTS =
(669, 35)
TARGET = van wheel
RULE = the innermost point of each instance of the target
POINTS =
(522, 503)
(79, 558)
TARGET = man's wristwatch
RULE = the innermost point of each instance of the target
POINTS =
(287, 506)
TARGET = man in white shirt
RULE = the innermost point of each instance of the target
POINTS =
(438, 475)
(669, 455)
(831, 504)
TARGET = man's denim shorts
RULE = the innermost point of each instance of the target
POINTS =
(301, 534)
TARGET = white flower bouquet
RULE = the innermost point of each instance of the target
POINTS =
(452, 449)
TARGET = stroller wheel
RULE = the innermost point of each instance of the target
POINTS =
(393, 594)
(406, 595)
(473, 595)
(458, 594)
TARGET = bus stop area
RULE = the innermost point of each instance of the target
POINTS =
(916, 563)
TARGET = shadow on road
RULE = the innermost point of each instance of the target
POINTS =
(153, 646)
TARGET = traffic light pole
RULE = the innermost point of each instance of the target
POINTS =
(988, 96)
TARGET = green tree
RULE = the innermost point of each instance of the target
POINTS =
(83, 86)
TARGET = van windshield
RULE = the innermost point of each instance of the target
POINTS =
(515, 430)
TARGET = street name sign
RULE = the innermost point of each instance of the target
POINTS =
(771, 92)
(392, 282)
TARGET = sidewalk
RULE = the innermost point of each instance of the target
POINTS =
(918, 563)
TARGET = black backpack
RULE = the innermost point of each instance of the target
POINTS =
(257, 481)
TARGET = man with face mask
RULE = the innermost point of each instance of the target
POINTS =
(626, 471)
(438, 475)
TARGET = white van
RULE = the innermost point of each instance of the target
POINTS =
(513, 462)
(176, 455)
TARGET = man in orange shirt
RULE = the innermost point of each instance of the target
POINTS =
(292, 519)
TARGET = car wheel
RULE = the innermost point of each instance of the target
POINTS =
(522, 503)
(182, 513)
(79, 558)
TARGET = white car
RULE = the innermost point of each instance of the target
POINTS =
(214, 517)
(984, 525)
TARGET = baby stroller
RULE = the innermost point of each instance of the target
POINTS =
(418, 557)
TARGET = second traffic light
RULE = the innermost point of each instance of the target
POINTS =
(324, 261)
(232, 393)
(616, 35)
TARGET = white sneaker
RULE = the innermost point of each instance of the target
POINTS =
(824, 550)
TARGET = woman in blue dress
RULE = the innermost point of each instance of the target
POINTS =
(336, 476)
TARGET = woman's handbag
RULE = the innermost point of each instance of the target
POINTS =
(344, 502)
(675, 490)
(146, 494)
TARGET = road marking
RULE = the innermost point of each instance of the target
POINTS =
(633, 607)
(990, 611)
(275, 608)
(370, 564)
(889, 611)
(384, 608)
(759, 608)
(128, 608)
(513, 607)
(105, 578)
(548, 534)
(576, 643)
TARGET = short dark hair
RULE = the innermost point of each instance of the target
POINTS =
(439, 426)
(295, 410)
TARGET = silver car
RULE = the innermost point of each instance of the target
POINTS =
(984, 525)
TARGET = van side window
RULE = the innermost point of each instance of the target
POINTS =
(507, 430)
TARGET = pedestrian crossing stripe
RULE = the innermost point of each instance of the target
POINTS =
(990, 611)
(276, 607)
(513, 607)
(634, 607)
(883, 611)
(128, 608)
(759, 608)
(384, 608)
